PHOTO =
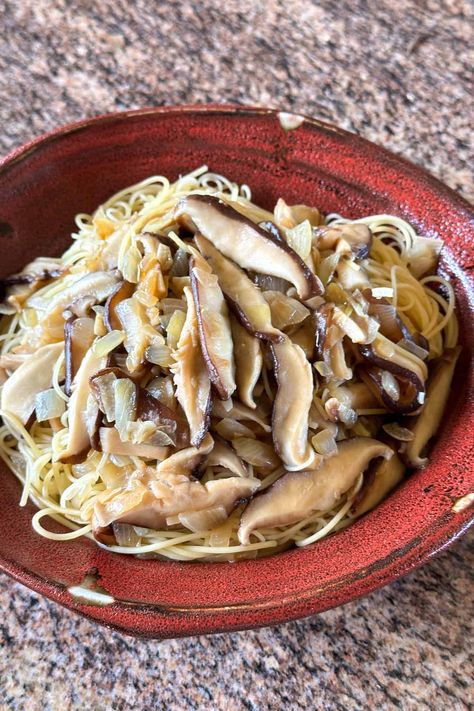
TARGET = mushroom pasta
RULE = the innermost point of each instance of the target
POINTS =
(202, 379)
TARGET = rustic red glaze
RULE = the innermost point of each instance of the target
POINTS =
(44, 184)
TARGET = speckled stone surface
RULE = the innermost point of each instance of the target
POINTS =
(401, 75)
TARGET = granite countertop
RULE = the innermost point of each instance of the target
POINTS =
(401, 75)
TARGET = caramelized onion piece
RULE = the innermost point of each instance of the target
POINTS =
(78, 338)
(246, 243)
(214, 327)
(248, 362)
(245, 299)
(32, 377)
(382, 476)
(429, 420)
(191, 378)
(122, 291)
(79, 414)
(298, 494)
(291, 406)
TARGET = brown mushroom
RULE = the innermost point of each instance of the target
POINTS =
(111, 443)
(96, 284)
(248, 362)
(189, 460)
(78, 338)
(297, 495)
(132, 317)
(428, 421)
(80, 413)
(122, 291)
(247, 244)
(32, 377)
(150, 498)
(381, 477)
(191, 378)
(214, 327)
(382, 357)
(292, 402)
(245, 299)
(14, 289)
(148, 407)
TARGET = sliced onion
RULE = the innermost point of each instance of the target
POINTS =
(300, 238)
(327, 267)
(271, 283)
(203, 520)
(103, 388)
(125, 534)
(162, 389)
(108, 343)
(147, 431)
(323, 369)
(390, 385)
(174, 328)
(380, 292)
(180, 266)
(229, 429)
(397, 432)
(259, 454)
(159, 353)
(125, 393)
(48, 405)
(170, 305)
(324, 443)
(414, 348)
(285, 310)
(130, 265)
(349, 327)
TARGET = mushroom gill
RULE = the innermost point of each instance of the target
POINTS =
(428, 421)
(248, 362)
(291, 406)
(297, 495)
(214, 327)
(245, 298)
(191, 378)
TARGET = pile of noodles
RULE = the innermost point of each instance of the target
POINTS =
(66, 493)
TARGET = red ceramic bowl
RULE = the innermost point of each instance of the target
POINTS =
(44, 184)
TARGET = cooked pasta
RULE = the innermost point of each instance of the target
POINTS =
(199, 378)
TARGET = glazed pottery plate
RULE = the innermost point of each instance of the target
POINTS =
(45, 183)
